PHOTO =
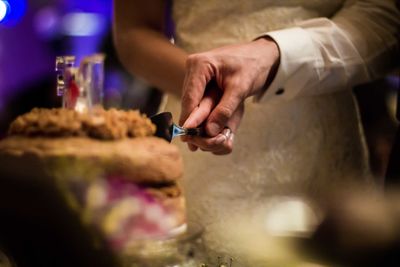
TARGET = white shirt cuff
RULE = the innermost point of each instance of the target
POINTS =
(296, 68)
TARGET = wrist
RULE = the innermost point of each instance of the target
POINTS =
(271, 47)
(272, 55)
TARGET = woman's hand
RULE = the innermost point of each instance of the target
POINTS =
(239, 71)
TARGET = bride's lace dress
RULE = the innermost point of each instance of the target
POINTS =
(305, 146)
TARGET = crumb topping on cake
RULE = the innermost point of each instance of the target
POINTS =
(99, 124)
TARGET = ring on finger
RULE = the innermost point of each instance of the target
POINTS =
(227, 132)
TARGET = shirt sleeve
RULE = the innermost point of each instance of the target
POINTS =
(358, 44)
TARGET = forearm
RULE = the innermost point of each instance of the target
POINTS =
(142, 47)
(149, 55)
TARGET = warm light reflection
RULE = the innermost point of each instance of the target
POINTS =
(267, 234)
(81, 106)
(290, 217)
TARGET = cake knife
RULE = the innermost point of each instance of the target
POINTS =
(167, 129)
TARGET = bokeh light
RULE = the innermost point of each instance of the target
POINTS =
(46, 22)
(3, 10)
(12, 11)
(83, 24)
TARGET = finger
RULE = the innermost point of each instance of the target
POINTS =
(214, 144)
(234, 122)
(233, 125)
(228, 148)
(200, 113)
(192, 147)
(222, 113)
(199, 73)
(192, 92)
(208, 143)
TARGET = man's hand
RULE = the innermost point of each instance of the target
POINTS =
(239, 71)
(222, 143)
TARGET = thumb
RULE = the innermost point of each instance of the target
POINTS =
(223, 112)
(201, 113)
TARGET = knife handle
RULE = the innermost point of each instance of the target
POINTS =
(200, 131)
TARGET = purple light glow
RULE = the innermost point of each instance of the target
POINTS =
(31, 36)
(46, 22)
(25, 57)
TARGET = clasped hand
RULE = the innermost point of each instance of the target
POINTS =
(216, 85)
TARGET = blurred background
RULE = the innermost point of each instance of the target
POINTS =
(34, 32)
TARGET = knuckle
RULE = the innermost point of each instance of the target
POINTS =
(234, 82)
(197, 58)
(191, 59)
(223, 113)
